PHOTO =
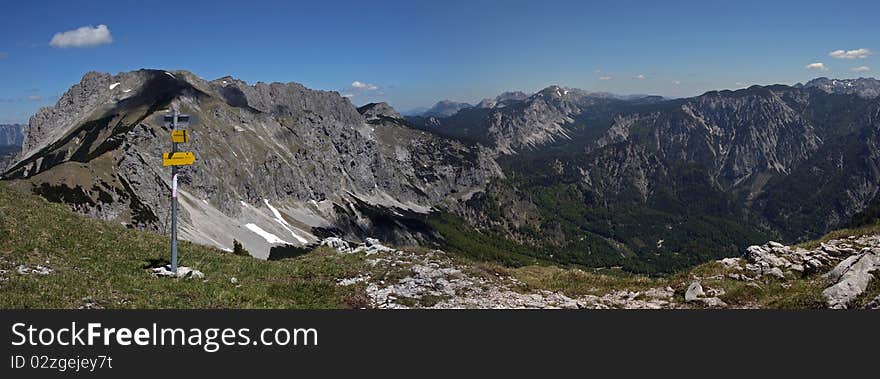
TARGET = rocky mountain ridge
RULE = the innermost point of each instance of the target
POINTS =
(278, 165)
(864, 87)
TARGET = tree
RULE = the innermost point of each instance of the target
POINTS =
(238, 249)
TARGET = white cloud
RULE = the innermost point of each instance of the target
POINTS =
(348, 95)
(861, 69)
(850, 54)
(364, 86)
(609, 77)
(676, 82)
(639, 77)
(816, 66)
(34, 98)
(85, 36)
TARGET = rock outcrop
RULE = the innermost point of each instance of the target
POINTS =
(849, 265)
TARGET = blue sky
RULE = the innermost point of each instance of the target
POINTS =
(412, 54)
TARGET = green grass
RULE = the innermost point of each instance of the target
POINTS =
(864, 230)
(107, 262)
(765, 292)
(575, 282)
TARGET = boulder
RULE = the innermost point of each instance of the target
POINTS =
(874, 304)
(850, 279)
(694, 291)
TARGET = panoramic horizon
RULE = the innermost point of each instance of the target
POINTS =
(436, 52)
(401, 178)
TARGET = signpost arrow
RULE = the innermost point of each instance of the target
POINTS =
(180, 158)
(180, 136)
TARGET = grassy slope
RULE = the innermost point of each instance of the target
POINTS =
(106, 262)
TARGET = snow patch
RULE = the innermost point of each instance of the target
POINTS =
(170, 74)
(269, 237)
(283, 222)
(114, 85)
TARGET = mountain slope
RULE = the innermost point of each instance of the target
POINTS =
(278, 165)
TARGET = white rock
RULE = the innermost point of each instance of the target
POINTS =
(694, 291)
(182, 272)
(338, 244)
(712, 302)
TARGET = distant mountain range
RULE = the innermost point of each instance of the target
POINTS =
(11, 135)
(445, 108)
(563, 174)
(864, 87)
(10, 143)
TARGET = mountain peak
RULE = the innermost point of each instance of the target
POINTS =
(374, 111)
(446, 108)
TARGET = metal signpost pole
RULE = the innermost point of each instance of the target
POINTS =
(174, 201)
(176, 158)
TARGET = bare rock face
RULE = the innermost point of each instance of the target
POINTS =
(277, 165)
(735, 137)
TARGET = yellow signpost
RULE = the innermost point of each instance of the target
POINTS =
(180, 158)
(176, 158)
(180, 136)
